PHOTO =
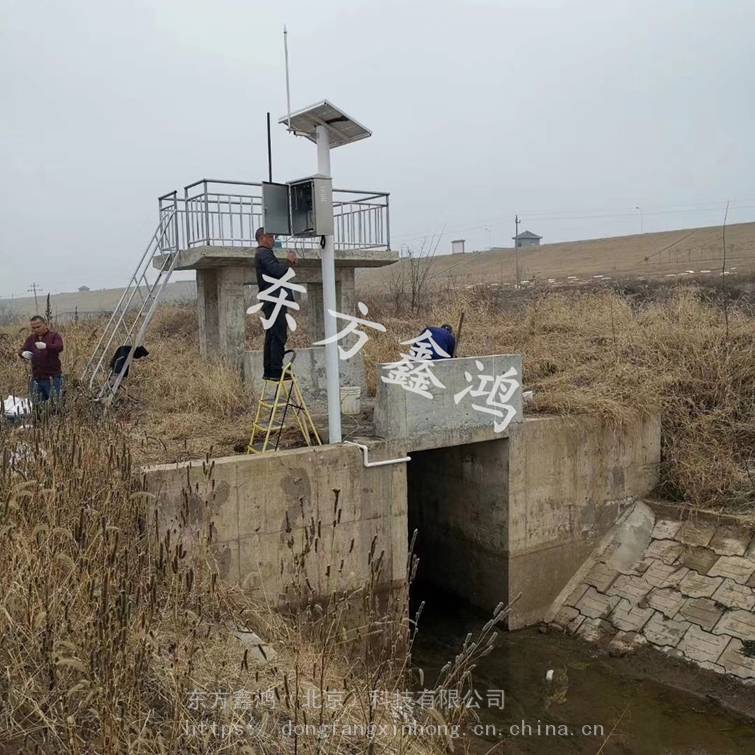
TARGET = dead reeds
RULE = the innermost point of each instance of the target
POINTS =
(603, 353)
(599, 351)
(117, 635)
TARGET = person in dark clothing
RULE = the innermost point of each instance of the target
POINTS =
(442, 337)
(119, 358)
(266, 263)
(42, 348)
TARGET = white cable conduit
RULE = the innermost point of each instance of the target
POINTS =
(385, 462)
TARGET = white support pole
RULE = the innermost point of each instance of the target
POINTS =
(329, 303)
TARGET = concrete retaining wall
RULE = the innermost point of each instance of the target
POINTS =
(498, 516)
(518, 516)
(265, 510)
(570, 478)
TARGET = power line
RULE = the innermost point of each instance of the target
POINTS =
(33, 289)
(516, 247)
(595, 215)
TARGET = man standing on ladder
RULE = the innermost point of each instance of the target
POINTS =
(266, 263)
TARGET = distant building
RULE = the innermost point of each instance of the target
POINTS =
(526, 238)
(457, 246)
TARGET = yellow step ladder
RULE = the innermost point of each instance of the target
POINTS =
(276, 399)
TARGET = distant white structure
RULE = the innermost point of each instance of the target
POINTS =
(526, 238)
(457, 246)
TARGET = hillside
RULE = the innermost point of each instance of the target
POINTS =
(88, 303)
(682, 253)
(695, 252)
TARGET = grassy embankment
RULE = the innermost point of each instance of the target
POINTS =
(106, 625)
(585, 351)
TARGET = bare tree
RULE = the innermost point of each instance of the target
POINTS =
(419, 265)
(409, 278)
(397, 285)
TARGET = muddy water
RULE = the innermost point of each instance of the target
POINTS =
(634, 701)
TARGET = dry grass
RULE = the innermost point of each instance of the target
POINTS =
(117, 636)
(175, 405)
(107, 623)
(585, 351)
(599, 352)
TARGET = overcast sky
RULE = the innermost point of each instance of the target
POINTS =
(570, 113)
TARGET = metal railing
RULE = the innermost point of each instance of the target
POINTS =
(227, 213)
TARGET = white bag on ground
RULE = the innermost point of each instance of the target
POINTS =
(16, 406)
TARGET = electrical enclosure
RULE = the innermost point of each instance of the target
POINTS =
(311, 206)
(276, 215)
(299, 208)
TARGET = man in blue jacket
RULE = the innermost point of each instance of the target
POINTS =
(266, 263)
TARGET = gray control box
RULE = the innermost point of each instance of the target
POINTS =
(311, 206)
(300, 208)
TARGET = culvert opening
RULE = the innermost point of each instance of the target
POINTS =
(458, 503)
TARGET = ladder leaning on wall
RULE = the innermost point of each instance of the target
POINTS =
(277, 399)
(128, 324)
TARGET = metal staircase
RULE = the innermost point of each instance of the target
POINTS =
(131, 317)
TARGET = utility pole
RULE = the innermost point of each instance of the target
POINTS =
(328, 266)
(318, 123)
(516, 248)
(33, 289)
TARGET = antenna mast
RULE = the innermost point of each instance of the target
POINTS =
(288, 86)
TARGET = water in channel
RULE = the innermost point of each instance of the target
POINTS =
(593, 701)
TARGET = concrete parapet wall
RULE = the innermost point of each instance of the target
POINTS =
(265, 510)
(400, 413)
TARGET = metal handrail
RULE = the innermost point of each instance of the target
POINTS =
(258, 183)
(221, 214)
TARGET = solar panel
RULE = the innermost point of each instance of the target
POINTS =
(342, 129)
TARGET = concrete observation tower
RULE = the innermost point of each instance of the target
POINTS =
(333, 232)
